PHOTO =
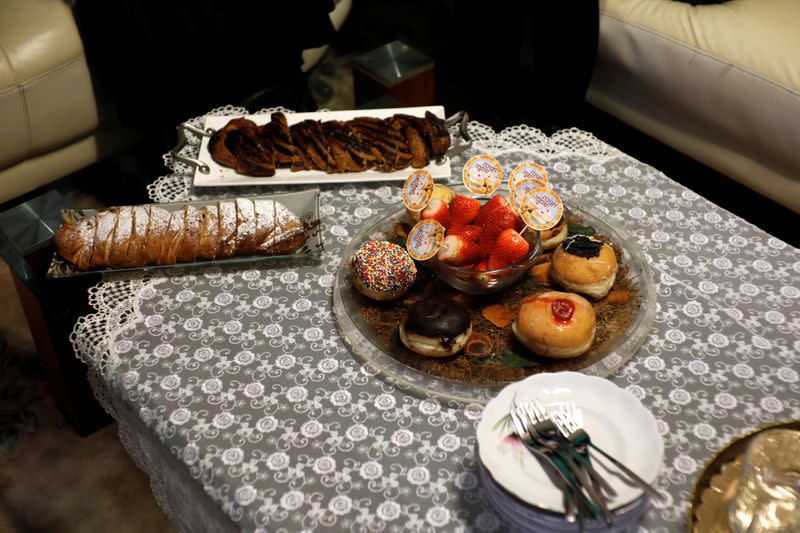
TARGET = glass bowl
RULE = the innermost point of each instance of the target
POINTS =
(488, 281)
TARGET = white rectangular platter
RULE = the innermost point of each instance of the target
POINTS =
(220, 176)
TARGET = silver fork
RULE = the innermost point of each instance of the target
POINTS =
(547, 423)
(547, 431)
(570, 423)
(586, 507)
(570, 490)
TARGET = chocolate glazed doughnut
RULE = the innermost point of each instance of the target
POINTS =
(436, 327)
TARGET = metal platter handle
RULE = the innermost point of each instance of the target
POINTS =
(462, 119)
(183, 140)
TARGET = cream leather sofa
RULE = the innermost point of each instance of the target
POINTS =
(720, 83)
(50, 122)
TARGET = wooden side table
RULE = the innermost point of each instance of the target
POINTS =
(51, 307)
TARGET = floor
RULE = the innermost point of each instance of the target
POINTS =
(51, 479)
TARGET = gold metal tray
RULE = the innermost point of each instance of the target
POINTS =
(715, 487)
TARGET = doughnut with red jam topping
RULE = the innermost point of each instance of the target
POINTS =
(556, 324)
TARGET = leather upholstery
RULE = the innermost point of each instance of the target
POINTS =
(720, 83)
(50, 123)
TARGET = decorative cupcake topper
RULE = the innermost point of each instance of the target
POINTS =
(521, 191)
(482, 175)
(425, 239)
(528, 171)
(541, 208)
(418, 190)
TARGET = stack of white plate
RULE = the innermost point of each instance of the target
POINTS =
(617, 422)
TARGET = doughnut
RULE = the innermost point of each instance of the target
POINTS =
(584, 264)
(556, 324)
(382, 270)
(554, 236)
(436, 327)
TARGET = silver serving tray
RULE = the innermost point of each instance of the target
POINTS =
(304, 204)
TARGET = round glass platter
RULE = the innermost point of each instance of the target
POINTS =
(366, 343)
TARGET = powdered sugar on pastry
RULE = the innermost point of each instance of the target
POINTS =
(245, 226)
(287, 226)
(209, 232)
(227, 228)
(124, 223)
(122, 236)
(106, 222)
(245, 218)
(265, 219)
(141, 219)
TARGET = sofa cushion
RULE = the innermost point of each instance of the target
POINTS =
(718, 82)
(46, 94)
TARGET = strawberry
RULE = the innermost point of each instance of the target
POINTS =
(510, 248)
(469, 232)
(482, 266)
(458, 251)
(438, 211)
(486, 243)
(502, 218)
(464, 209)
(488, 207)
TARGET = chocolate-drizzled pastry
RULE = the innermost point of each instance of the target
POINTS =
(584, 264)
(436, 327)
(583, 246)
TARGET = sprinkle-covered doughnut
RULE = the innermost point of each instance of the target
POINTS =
(383, 266)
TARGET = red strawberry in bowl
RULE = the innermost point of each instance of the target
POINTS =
(463, 210)
(488, 207)
(469, 232)
(436, 210)
(509, 249)
(483, 266)
(458, 251)
(499, 220)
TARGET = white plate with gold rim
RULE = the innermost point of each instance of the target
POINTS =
(615, 420)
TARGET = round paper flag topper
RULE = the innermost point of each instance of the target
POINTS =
(541, 209)
(521, 191)
(482, 175)
(425, 239)
(418, 190)
(528, 171)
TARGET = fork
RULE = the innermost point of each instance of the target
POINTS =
(577, 480)
(570, 423)
(570, 490)
(547, 424)
(550, 436)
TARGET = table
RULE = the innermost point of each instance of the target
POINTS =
(235, 393)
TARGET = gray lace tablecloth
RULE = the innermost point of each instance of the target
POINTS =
(235, 382)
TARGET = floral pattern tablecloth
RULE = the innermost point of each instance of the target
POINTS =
(242, 375)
